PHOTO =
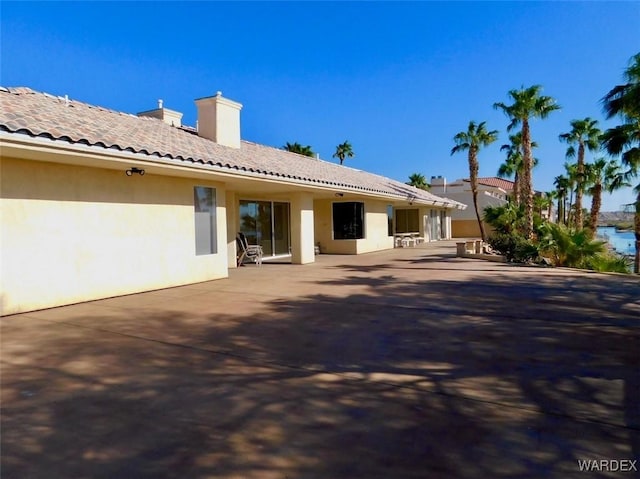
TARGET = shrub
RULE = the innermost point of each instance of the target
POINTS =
(567, 247)
(506, 219)
(514, 247)
(609, 263)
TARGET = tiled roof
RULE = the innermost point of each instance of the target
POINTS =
(496, 182)
(24, 111)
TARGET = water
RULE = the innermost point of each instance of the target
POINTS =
(621, 241)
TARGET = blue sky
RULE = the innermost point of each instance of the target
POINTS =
(396, 79)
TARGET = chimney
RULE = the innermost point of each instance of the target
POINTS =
(219, 120)
(438, 184)
(170, 117)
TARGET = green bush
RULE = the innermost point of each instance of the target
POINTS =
(568, 247)
(554, 243)
(514, 247)
(609, 263)
(506, 219)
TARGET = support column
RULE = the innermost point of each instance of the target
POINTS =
(423, 213)
(302, 234)
(232, 227)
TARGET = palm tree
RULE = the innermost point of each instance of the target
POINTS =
(550, 195)
(513, 164)
(561, 183)
(586, 135)
(418, 180)
(571, 170)
(527, 104)
(298, 148)
(624, 101)
(344, 150)
(602, 174)
(472, 140)
(511, 168)
(541, 203)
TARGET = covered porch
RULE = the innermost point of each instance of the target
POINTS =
(294, 224)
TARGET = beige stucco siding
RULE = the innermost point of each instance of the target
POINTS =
(376, 235)
(76, 234)
(468, 229)
(375, 229)
(465, 229)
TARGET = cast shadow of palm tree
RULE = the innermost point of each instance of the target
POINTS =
(490, 376)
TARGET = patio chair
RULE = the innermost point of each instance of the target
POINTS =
(245, 250)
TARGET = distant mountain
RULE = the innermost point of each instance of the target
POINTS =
(613, 217)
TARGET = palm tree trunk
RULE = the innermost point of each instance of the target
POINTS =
(579, 223)
(596, 202)
(473, 178)
(560, 209)
(636, 221)
(527, 189)
(516, 188)
(570, 209)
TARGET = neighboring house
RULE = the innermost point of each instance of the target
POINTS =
(491, 192)
(98, 203)
(546, 213)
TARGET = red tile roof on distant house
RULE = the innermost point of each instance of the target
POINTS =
(496, 182)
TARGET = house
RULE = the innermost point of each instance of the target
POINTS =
(491, 192)
(545, 208)
(98, 203)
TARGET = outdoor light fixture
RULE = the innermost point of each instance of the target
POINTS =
(133, 170)
(339, 195)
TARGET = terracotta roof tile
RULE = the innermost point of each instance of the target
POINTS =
(25, 111)
(497, 182)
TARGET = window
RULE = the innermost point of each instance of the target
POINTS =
(407, 221)
(266, 223)
(389, 220)
(204, 202)
(348, 220)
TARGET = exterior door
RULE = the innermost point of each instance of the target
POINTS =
(266, 223)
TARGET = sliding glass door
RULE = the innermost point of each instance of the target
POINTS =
(281, 229)
(266, 223)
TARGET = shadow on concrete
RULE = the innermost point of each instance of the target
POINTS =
(494, 376)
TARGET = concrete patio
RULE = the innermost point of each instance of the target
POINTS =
(409, 363)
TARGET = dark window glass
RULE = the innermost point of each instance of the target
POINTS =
(348, 220)
(407, 221)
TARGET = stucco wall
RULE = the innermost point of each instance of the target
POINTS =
(375, 229)
(469, 213)
(465, 229)
(468, 229)
(72, 234)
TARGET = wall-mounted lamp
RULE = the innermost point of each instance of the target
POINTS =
(133, 170)
(339, 195)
